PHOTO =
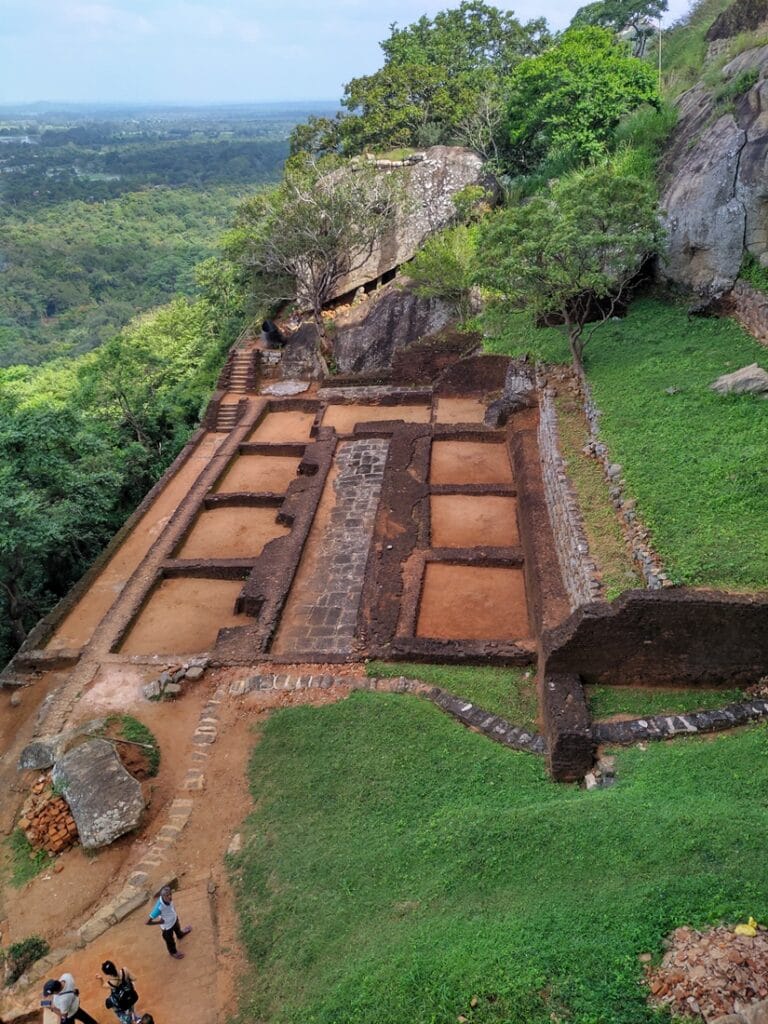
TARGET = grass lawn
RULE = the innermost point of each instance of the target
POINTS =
(509, 692)
(398, 867)
(605, 701)
(695, 462)
(607, 544)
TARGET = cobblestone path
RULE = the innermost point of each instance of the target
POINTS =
(321, 611)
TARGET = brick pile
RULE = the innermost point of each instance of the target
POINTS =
(46, 820)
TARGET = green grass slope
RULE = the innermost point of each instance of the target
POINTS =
(695, 461)
(398, 868)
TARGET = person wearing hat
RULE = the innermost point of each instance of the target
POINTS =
(63, 999)
(164, 914)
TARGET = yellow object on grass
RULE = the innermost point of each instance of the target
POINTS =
(750, 928)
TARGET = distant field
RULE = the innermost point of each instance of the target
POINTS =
(105, 212)
(76, 272)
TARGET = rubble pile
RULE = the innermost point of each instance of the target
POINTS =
(170, 683)
(711, 974)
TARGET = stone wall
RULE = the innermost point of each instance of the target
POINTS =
(750, 307)
(579, 572)
(665, 637)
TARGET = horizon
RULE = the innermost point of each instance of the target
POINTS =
(164, 52)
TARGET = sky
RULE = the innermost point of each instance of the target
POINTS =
(209, 51)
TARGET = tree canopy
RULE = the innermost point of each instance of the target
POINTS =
(619, 15)
(300, 239)
(573, 249)
(567, 102)
(437, 72)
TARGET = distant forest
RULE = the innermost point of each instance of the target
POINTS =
(105, 212)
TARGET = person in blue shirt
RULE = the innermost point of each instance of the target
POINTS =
(164, 914)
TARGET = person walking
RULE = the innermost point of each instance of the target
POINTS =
(122, 996)
(164, 914)
(63, 999)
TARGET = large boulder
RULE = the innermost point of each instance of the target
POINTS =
(717, 181)
(367, 335)
(301, 355)
(430, 186)
(44, 751)
(749, 380)
(105, 800)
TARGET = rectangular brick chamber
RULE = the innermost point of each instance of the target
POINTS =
(473, 520)
(471, 602)
(291, 425)
(258, 474)
(183, 615)
(230, 531)
(344, 418)
(469, 462)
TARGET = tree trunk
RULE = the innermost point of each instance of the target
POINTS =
(576, 344)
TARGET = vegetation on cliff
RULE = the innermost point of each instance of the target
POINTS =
(82, 440)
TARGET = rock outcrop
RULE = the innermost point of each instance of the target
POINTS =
(367, 335)
(716, 197)
(749, 380)
(105, 800)
(430, 186)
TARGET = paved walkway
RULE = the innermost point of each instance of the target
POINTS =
(321, 612)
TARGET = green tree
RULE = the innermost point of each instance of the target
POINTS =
(574, 249)
(299, 240)
(445, 267)
(619, 15)
(568, 101)
(437, 72)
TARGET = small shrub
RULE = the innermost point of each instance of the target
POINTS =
(21, 955)
(25, 861)
(730, 91)
(753, 273)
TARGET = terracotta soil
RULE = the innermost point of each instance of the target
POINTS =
(259, 474)
(283, 427)
(460, 410)
(343, 418)
(463, 602)
(197, 610)
(202, 988)
(468, 521)
(469, 462)
(77, 627)
(237, 532)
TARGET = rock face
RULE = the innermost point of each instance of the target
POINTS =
(106, 802)
(367, 336)
(301, 355)
(517, 394)
(716, 197)
(430, 186)
(43, 752)
(749, 380)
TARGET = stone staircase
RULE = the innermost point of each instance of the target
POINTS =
(227, 417)
(241, 372)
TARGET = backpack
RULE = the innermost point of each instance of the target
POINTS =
(123, 995)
